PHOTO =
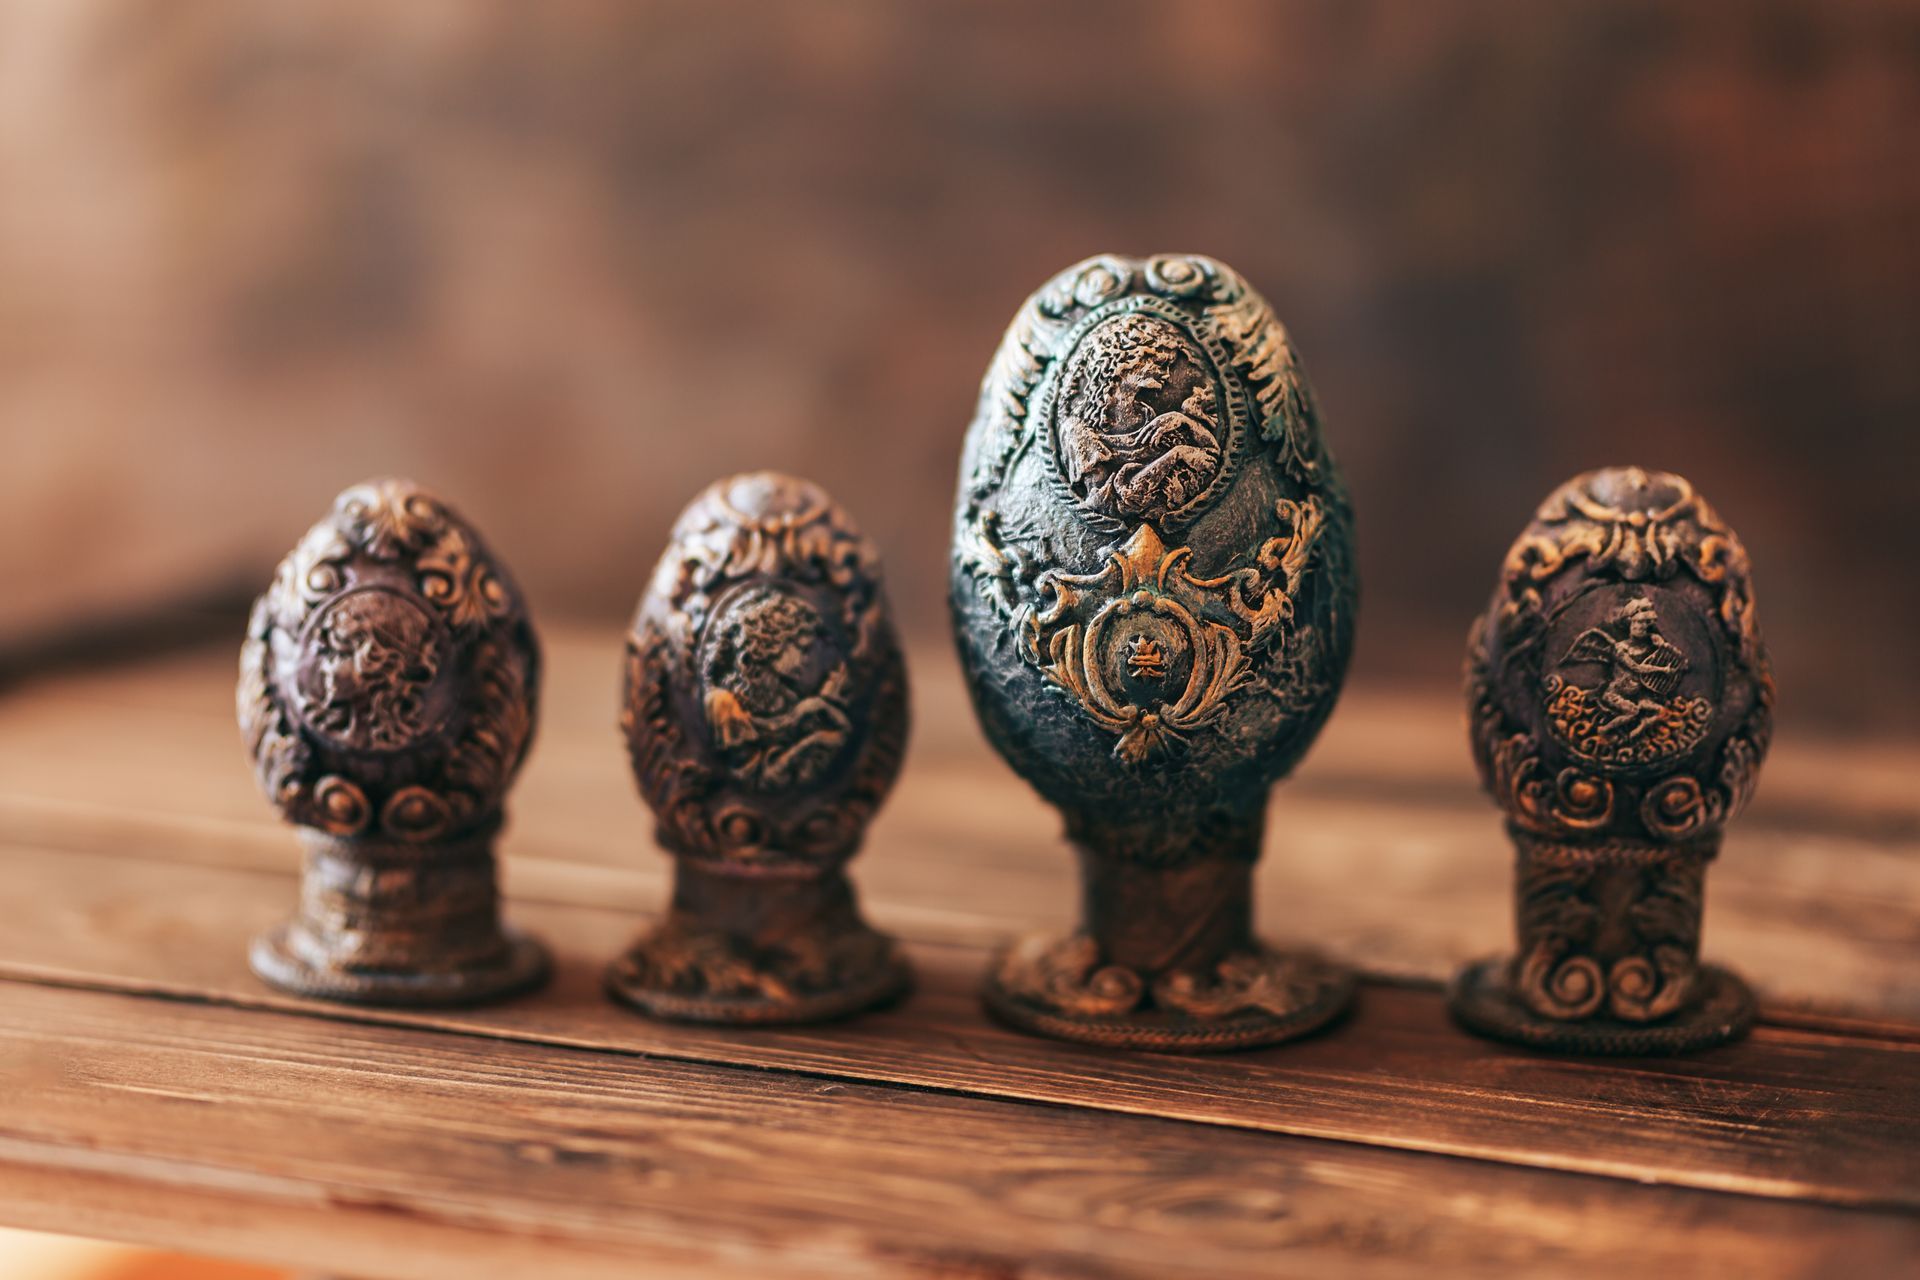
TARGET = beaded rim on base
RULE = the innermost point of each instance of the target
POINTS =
(522, 966)
(1483, 1002)
(1161, 1031)
(884, 985)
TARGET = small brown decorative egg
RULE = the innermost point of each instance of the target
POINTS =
(387, 692)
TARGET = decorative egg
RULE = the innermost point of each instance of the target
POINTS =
(1153, 596)
(765, 711)
(387, 691)
(1621, 702)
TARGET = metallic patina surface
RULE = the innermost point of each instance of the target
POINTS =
(765, 710)
(387, 690)
(1153, 595)
(1620, 703)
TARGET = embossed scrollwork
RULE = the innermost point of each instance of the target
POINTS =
(1564, 897)
(1068, 974)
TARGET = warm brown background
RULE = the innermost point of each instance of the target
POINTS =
(566, 262)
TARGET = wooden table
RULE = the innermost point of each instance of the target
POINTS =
(156, 1092)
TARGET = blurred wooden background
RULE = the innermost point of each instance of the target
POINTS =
(566, 262)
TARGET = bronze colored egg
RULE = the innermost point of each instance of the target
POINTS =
(387, 690)
(1621, 703)
(765, 711)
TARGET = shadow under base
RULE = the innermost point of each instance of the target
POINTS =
(1045, 986)
(1482, 1001)
(712, 978)
(519, 965)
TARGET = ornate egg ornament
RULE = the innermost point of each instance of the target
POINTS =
(1153, 596)
(1620, 703)
(387, 689)
(765, 712)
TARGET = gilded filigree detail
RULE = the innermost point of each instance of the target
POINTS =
(1089, 624)
(1146, 649)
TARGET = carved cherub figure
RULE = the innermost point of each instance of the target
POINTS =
(1642, 667)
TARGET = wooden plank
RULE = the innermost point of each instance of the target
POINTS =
(407, 1153)
(1826, 927)
(1817, 904)
(1788, 1114)
(164, 729)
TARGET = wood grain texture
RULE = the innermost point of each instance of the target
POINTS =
(1789, 1114)
(161, 1093)
(1816, 899)
(596, 1164)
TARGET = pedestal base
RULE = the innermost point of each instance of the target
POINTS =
(521, 965)
(1057, 987)
(745, 947)
(691, 975)
(1483, 1002)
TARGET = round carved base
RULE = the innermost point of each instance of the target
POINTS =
(518, 966)
(707, 977)
(1483, 1002)
(1053, 986)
